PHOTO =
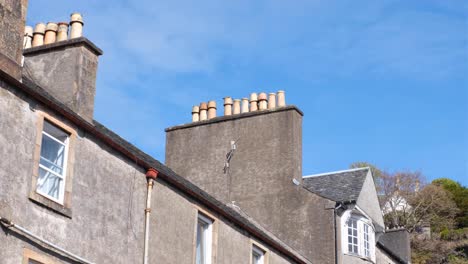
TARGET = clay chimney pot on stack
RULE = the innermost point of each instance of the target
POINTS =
(76, 23)
(227, 106)
(253, 102)
(195, 113)
(271, 101)
(281, 98)
(62, 33)
(237, 106)
(38, 35)
(262, 101)
(211, 109)
(245, 105)
(28, 36)
(203, 109)
(50, 33)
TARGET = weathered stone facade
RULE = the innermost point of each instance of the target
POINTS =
(108, 201)
(12, 17)
(101, 217)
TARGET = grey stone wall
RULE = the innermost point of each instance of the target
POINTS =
(12, 17)
(108, 198)
(67, 70)
(260, 180)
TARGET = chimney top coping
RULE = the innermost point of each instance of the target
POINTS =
(61, 44)
(234, 117)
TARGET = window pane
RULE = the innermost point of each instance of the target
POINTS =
(257, 255)
(54, 131)
(48, 183)
(200, 258)
(52, 154)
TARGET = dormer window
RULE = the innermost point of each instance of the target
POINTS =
(359, 236)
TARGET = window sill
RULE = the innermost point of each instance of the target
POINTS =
(50, 204)
(359, 256)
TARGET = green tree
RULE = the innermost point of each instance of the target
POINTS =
(460, 197)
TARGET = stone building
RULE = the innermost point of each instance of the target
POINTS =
(72, 191)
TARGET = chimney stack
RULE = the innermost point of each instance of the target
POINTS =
(267, 160)
(66, 68)
(12, 19)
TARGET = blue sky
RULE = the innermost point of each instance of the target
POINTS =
(379, 81)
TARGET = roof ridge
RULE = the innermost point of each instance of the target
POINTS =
(334, 172)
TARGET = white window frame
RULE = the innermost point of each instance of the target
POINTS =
(362, 223)
(259, 252)
(63, 177)
(207, 238)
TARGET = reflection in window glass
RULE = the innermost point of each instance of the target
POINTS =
(204, 235)
(52, 163)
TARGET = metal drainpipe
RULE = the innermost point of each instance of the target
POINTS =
(151, 175)
(336, 231)
(8, 224)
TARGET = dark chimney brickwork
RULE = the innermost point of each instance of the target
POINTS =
(12, 19)
(67, 70)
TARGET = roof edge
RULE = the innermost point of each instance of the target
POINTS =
(334, 172)
(74, 42)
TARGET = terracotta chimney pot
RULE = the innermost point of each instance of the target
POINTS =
(62, 33)
(237, 105)
(50, 33)
(245, 105)
(211, 109)
(281, 98)
(253, 102)
(271, 101)
(38, 34)
(195, 113)
(76, 23)
(262, 101)
(227, 106)
(203, 109)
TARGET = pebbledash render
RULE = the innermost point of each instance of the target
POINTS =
(72, 191)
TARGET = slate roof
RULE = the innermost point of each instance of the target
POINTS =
(396, 244)
(340, 186)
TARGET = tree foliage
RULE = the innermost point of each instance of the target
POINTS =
(460, 197)
(407, 201)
